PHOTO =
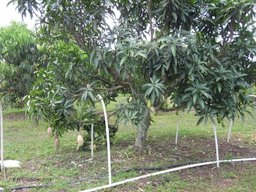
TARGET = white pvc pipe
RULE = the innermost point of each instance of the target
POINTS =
(108, 140)
(166, 171)
(216, 144)
(177, 132)
(92, 137)
(229, 129)
(2, 138)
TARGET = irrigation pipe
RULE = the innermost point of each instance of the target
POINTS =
(177, 133)
(216, 144)
(229, 129)
(30, 187)
(108, 140)
(92, 137)
(167, 171)
(177, 130)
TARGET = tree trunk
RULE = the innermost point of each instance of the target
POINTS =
(140, 142)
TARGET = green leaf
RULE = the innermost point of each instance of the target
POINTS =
(219, 87)
(123, 60)
(195, 97)
(173, 50)
(207, 95)
(200, 120)
(201, 103)
(141, 54)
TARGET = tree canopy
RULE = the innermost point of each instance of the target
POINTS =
(201, 53)
(18, 55)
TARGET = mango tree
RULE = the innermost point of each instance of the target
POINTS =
(201, 53)
(61, 93)
(18, 59)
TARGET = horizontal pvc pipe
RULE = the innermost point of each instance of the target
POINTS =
(166, 171)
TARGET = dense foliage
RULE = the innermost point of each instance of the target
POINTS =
(18, 56)
(201, 53)
(61, 89)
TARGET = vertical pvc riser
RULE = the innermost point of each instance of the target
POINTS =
(92, 137)
(177, 132)
(216, 145)
(2, 138)
(229, 130)
(108, 140)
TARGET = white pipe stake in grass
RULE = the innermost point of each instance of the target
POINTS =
(2, 138)
(92, 137)
(108, 140)
(177, 129)
(177, 132)
(229, 129)
(216, 144)
(167, 171)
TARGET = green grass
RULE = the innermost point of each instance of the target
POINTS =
(69, 170)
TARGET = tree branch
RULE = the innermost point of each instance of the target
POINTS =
(150, 17)
(114, 88)
(172, 109)
(117, 78)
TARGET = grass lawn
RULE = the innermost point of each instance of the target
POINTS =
(71, 170)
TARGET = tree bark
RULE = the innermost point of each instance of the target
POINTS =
(140, 142)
